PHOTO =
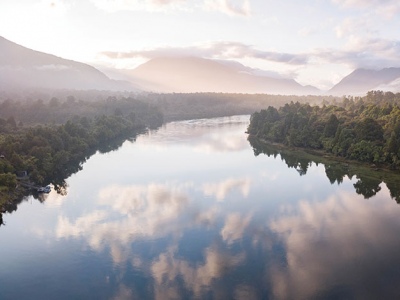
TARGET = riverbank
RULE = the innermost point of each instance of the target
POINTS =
(369, 176)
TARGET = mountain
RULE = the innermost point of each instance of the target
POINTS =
(193, 74)
(360, 81)
(21, 67)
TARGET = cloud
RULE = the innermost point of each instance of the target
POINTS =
(364, 53)
(385, 8)
(166, 269)
(230, 7)
(235, 225)
(344, 241)
(215, 50)
(363, 49)
(234, 8)
(139, 5)
(221, 189)
(55, 7)
(53, 67)
(355, 26)
(247, 292)
(394, 86)
(144, 211)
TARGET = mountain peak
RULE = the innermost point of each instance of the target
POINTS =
(196, 74)
(361, 80)
(21, 67)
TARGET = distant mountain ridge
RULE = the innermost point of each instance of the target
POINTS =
(21, 67)
(360, 81)
(194, 74)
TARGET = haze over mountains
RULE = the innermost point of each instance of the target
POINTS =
(362, 80)
(21, 67)
(193, 74)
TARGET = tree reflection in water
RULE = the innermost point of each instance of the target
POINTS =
(368, 180)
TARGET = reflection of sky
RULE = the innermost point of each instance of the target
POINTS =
(176, 215)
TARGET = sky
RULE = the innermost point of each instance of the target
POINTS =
(316, 42)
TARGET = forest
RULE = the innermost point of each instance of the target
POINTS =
(52, 152)
(49, 135)
(365, 129)
(57, 107)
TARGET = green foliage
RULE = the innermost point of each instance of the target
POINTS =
(365, 129)
(50, 153)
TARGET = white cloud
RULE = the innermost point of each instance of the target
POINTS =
(355, 26)
(335, 241)
(221, 189)
(359, 52)
(217, 50)
(235, 225)
(139, 5)
(144, 211)
(385, 8)
(166, 269)
(54, 7)
(230, 7)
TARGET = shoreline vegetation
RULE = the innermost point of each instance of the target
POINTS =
(369, 177)
(41, 154)
(360, 136)
(364, 129)
(50, 139)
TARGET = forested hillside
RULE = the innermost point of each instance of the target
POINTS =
(366, 129)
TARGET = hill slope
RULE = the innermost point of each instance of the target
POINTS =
(193, 74)
(360, 81)
(21, 67)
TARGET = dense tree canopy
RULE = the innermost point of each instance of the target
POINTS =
(50, 153)
(365, 129)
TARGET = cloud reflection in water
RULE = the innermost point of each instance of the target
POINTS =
(339, 247)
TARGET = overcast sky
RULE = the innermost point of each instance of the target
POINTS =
(314, 41)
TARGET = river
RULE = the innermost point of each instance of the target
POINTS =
(190, 212)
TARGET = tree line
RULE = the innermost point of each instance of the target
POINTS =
(365, 129)
(52, 152)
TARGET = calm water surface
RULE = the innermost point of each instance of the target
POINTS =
(189, 211)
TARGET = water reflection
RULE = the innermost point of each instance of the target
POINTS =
(202, 136)
(216, 225)
(338, 248)
(368, 179)
(221, 189)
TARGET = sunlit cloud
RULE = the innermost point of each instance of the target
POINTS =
(365, 53)
(234, 228)
(144, 211)
(386, 8)
(335, 241)
(355, 27)
(215, 50)
(221, 189)
(139, 5)
(167, 268)
(230, 7)
(54, 7)
(359, 51)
